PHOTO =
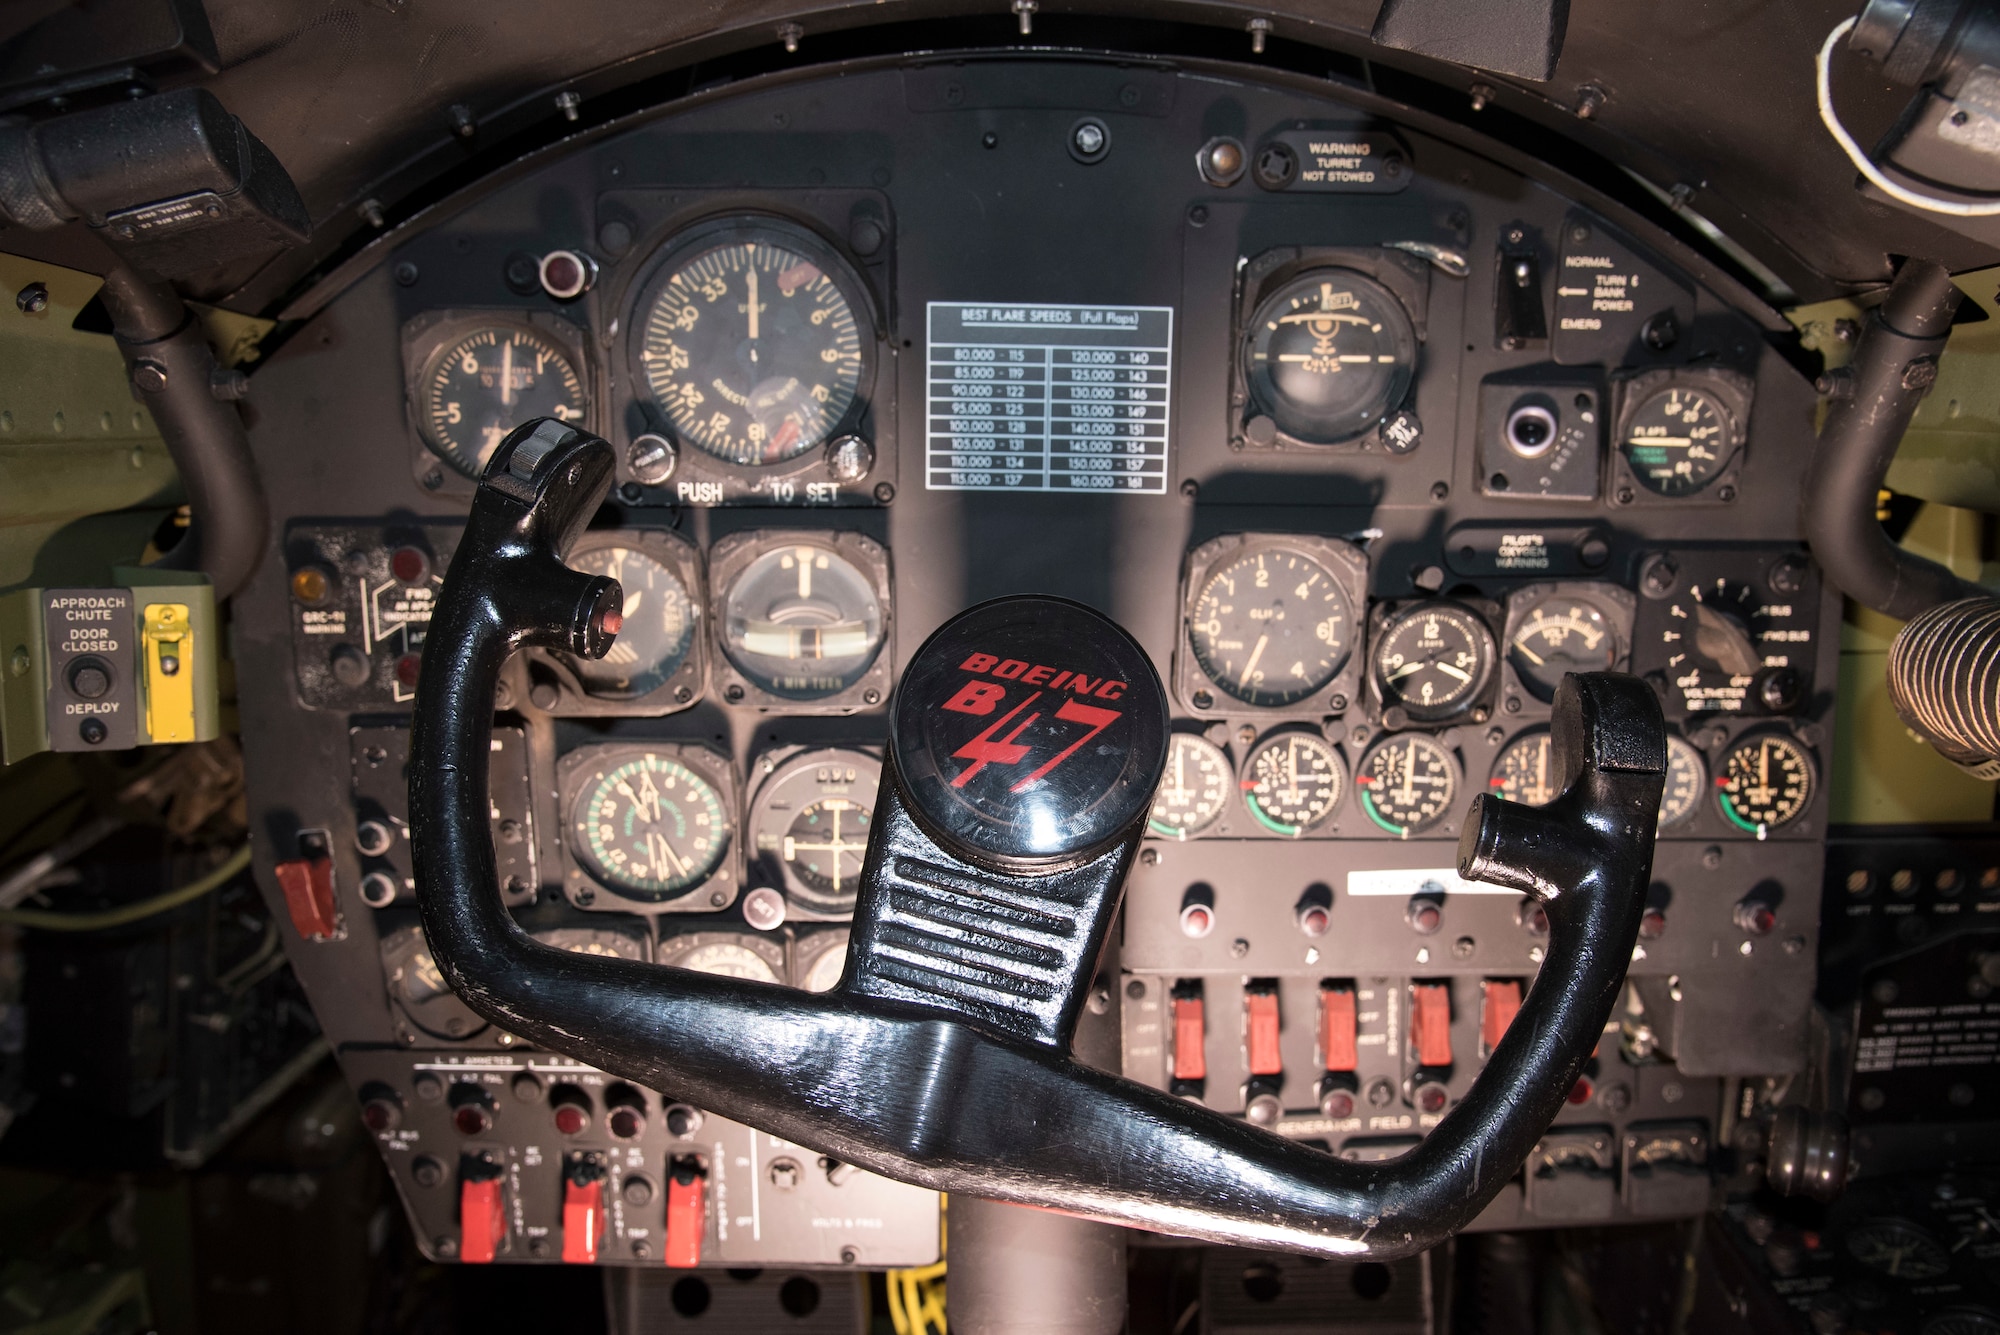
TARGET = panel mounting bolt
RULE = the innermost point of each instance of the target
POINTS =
(1482, 95)
(1259, 29)
(32, 299)
(789, 34)
(1590, 100)
(1025, 11)
(567, 102)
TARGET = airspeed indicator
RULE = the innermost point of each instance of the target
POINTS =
(1272, 627)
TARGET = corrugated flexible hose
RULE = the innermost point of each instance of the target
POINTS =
(1944, 677)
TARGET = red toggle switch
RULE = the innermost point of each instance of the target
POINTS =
(687, 1215)
(1430, 1023)
(583, 1220)
(482, 1221)
(1337, 1027)
(308, 887)
(1503, 1002)
(1190, 1062)
(1261, 1015)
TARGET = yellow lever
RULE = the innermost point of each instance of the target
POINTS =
(167, 643)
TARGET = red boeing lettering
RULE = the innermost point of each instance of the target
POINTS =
(976, 697)
(1035, 674)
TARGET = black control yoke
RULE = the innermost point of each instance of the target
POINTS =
(1027, 736)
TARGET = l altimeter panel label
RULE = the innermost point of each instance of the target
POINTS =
(1048, 398)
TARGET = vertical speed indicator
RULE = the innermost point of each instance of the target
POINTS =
(751, 343)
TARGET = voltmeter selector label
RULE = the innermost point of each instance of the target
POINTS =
(1030, 729)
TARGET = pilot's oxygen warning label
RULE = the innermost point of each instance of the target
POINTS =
(1048, 398)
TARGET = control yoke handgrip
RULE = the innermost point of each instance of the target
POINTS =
(1027, 736)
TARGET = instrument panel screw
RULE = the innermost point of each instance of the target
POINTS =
(1190, 488)
(1136, 989)
(406, 274)
(1100, 999)
(789, 34)
(32, 299)
(568, 102)
(1025, 11)
(462, 123)
(1482, 95)
(871, 696)
(1238, 948)
(1150, 857)
(1463, 947)
(1337, 703)
(884, 493)
(683, 694)
(733, 693)
(849, 1255)
(433, 479)
(1259, 29)
(1590, 100)
(1440, 490)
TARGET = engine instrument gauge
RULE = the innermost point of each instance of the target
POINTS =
(1676, 440)
(418, 987)
(649, 827)
(1327, 355)
(1408, 783)
(801, 621)
(1560, 634)
(819, 959)
(1293, 782)
(1687, 776)
(725, 960)
(1766, 782)
(809, 827)
(659, 623)
(1434, 660)
(1899, 1248)
(1525, 773)
(482, 385)
(750, 339)
(1194, 790)
(1272, 627)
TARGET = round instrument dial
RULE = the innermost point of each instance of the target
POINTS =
(480, 387)
(1434, 660)
(802, 621)
(1293, 782)
(1766, 782)
(1678, 439)
(809, 826)
(1272, 627)
(726, 959)
(1561, 634)
(751, 345)
(659, 623)
(1408, 783)
(1525, 771)
(1899, 1248)
(649, 826)
(820, 959)
(1194, 790)
(1327, 355)
(1687, 775)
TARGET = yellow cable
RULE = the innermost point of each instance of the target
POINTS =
(896, 1317)
(129, 913)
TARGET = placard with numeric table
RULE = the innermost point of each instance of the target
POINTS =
(1048, 398)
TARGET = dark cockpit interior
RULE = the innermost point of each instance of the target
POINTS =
(1143, 666)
